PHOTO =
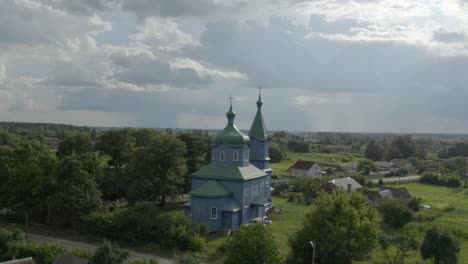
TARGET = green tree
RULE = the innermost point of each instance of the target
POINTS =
(395, 212)
(110, 253)
(79, 143)
(8, 139)
(366, 166)
(157, 170)
(143, 136)
(392, 153)
(276, 155)
(76, 194)
(440, 246)
(374, 150)
(342, 225)
(406, 145)
(118, 144)
(252, 244)
(399, 245)
(25, 178)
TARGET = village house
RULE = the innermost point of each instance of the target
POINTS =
(305, 168)
(235, 188)
(347, 184)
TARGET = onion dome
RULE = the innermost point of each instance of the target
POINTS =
(231, 136)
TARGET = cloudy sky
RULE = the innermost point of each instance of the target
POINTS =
(324, 65)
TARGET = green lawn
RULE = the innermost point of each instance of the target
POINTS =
(440, 199)
(322, 158)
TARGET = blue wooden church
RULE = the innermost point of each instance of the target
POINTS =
(236, 186)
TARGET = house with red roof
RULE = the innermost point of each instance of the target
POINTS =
(305, 168)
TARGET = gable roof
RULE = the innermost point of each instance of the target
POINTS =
(211, 189)
(397, 193)
(402, 162)
(229, 172)
(65, 259)
(342, 183)
(384, 164)
(302, 165)
(20, 261)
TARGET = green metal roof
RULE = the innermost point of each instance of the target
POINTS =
(258, 129)
(231, 136)
(229, 172)
(211, 189)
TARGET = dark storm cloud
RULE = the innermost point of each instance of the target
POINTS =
(445, 36)
(87, 6)
(143, 70)
(279, 56)
(177, 8)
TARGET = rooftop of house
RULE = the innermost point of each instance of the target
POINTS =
(397, 193)
(20, 261)
(385, 164)
(342, 183)
(302, 165)
(402, 162)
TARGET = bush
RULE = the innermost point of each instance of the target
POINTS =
(279, 188)
(188, 258)
(183, 235)
(395, 212)
(143, 261)
(427, 215)
(43, 253)
(109, 253)
(448, 180)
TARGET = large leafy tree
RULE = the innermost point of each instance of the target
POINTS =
(342, 225)
(25, 178)
(397, 247)
(76, 193)
(396, 212)
(78, 143)
(196, 151)
(252, 244)
(157, 170)
(366, 166)
(374, 150)
(110, 253)
(440, 246)
(118, 144)
(406, 145)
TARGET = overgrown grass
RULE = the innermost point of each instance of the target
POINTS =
(322, 158)
(449, 210)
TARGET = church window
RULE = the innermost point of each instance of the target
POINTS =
(214, 213)
(235, 156)
(246, 200)
(221, 155)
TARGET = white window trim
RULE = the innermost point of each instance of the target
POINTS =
(216, 213)
(235, 156)
(222, 155)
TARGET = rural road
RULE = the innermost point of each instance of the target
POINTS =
(91, 248)
(402, 179)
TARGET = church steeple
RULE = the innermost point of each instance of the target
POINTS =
(259, 145)
(258, 129)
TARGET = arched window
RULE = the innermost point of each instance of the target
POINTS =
(235, 156)
(221, 155)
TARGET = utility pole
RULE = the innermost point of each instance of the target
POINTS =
(314, 245)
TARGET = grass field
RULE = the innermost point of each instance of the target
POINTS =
(322, 158)
(440, 199)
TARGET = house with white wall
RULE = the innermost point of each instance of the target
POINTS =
(305, 168)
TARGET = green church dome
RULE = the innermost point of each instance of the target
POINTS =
(231, 136)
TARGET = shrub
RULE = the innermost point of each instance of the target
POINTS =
(43, 253)
(109, 253)
(395, 212)
(183, 235)
(188, 258)
(447, 180)
(428, 215)
(143, 261)
(279, 188)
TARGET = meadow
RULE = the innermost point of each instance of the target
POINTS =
(331, 159)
